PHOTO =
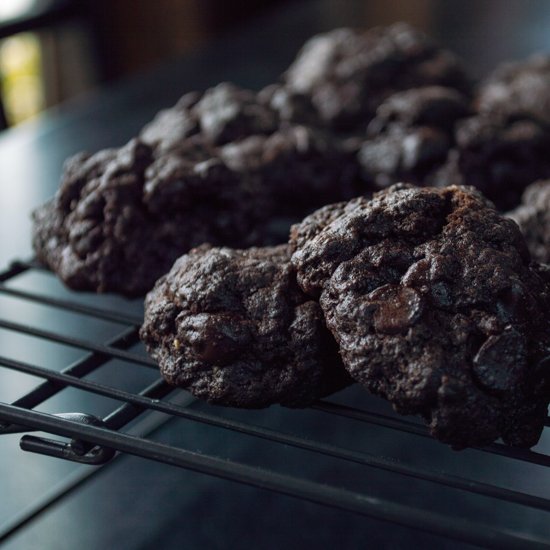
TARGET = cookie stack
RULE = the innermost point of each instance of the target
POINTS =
(423, 292)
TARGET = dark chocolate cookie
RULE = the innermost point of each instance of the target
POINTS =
(411, 135)
(498, 155)
(348, 73)
(299, 168)
(225, 114)
(434, 302)
(518, 88)
(223, 167)
(120, 218)
(533, 218)
(270, 136)
(170, 127)
(234, 328)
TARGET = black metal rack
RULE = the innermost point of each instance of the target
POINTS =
(95, 441)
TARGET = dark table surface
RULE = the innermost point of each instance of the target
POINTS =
(141, 504)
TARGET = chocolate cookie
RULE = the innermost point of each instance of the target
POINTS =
(234, 328)
(348, 73)
(170, 127)
(227, 113)
(271, 137)
(120, 218)
(533, 218)
(498, 155)
(518, 88)
(411, 135)
(299, 168)
(222, 167)
(435, 305)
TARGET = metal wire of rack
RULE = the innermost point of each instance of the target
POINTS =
(95, 441)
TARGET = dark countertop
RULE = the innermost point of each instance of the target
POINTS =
(139, 504)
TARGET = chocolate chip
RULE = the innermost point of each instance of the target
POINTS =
(514, 303)
(398, 308)
(500, 362)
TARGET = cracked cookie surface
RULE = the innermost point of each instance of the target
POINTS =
(234, 328)
(436, 306)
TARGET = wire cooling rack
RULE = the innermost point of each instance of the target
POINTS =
(95, 440)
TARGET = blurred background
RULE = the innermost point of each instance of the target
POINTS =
(54, 50)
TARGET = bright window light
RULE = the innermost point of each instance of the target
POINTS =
(11, 9)
(21, 77)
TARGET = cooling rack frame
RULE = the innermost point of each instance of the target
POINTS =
(96, 441)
